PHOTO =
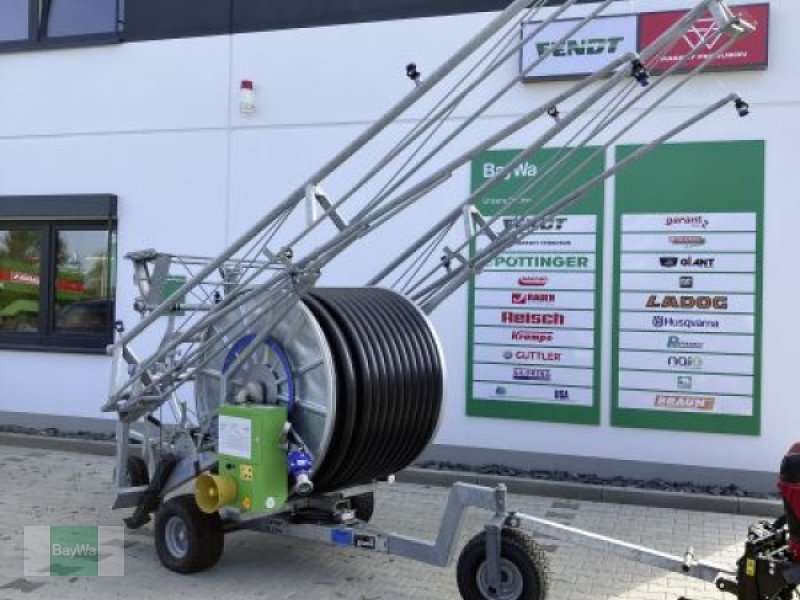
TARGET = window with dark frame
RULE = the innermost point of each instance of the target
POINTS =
(31, 24)
(57, 273)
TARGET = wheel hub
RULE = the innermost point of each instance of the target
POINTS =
(511, 583)
(176, 536)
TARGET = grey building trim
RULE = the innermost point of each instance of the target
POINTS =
(762, 482)
(61, 423)
(69, 206)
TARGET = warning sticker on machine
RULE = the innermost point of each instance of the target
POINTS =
(235, 437)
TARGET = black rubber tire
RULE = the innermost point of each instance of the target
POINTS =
(137, 471)
(363, 505)
(515, 546)
(205, 537)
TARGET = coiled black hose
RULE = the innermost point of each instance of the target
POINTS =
(390, 384)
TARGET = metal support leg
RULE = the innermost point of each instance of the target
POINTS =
(494, 577)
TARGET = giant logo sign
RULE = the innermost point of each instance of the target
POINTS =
(599, 42)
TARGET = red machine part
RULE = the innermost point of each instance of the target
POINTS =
(789, 486)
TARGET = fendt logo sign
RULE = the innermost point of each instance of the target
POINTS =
(597, 44)
(606, 38)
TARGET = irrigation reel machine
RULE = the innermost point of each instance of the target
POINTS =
(283, 402)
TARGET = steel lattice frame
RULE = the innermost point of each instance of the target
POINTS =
(274, 266)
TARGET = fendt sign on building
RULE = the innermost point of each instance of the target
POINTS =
(606, 38)
(599, 43)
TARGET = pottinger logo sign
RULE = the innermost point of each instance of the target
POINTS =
(704, 39)
(607, 38)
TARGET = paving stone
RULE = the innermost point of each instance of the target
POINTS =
(55, 488)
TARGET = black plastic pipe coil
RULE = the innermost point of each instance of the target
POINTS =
(390, 384)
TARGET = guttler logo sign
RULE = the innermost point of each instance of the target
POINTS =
(606, 38)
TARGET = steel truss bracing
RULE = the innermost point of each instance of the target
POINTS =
(277, 261)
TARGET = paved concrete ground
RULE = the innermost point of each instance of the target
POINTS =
(54, 488)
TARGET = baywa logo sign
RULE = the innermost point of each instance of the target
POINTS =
(525, 170)
(74, 551)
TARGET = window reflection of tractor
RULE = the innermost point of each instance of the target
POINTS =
(20, 293)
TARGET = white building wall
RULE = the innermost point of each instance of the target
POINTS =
(158, 124)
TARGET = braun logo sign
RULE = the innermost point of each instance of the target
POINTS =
(592, 48)
(606, 38)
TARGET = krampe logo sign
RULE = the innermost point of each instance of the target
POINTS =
(74, 551)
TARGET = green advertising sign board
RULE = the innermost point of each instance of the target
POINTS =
(535, 312)
(689, 224)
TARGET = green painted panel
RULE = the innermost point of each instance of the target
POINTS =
(688, 278)
(534, 316)
(250, 451)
